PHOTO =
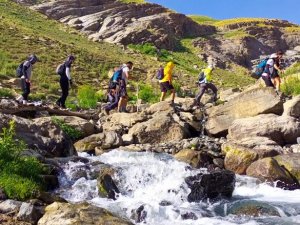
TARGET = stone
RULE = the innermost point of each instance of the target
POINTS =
(247, 104)
(44, 136)
(83, 213)
(125, 119)
(291, 163)
(160, 128)
(188, 156)
(139, 215)
(9, 206)
(107, 187)
(268, 169)
(106, 140)
(281, 129)
(213, 185)
(252, 208)
(29, 213)
(127, 139)
(228, 94)
(292, 107)
(2, 195)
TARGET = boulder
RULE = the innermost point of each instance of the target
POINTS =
(8, 220)
(268, 169)
(160, 107)
(125, 119)
(281, 129)
(247, 104)
(83, 213)
(290, 162)
(162, 127)
(228, 94)
(213, 185)
(188, 156)
(292, 107)
(85, 127)
(240, 155)
(45, 136)
(252, 208)
(29, 213)
(10, 206)
(104, 141)
(107, 188)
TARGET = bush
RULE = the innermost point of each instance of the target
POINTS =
(87, 98)
(72, 132)
(101, 96)
(291, 86)
(19, 175)
(147, 93)
(5, 92)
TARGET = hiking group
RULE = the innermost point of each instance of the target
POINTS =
(268, 69)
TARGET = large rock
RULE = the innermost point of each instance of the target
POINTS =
(268, 169)
(10, 206)
(247, 104)
(292, 107)
(281, 129)
(106, 140)
(125, 119)
(162, 127)
(29, 213)
(188, 156)
(239, 156)
(291, 162)
(85, 127)
(217, 184)
(70, 214)
(44, 136)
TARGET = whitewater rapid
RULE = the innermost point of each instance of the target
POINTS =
(150, 179)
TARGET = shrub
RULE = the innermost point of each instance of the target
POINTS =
(86, 97)
(5, 92)
(19, 175)
(72, 132)
(101, 96)
(147, 93)
(291, 86)
(147, 48)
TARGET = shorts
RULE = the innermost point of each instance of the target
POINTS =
(165, 86)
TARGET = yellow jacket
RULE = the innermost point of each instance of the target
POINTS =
(168, 72)
(208, 74)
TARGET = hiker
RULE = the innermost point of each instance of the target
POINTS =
(204, 83)
(269, 73)
(277, 70)
(64, 70)
(126, 68)
(24, 71)
(166, 82)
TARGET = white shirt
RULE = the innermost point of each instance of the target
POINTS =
(125, 70)
(270, 63)
(68, 73)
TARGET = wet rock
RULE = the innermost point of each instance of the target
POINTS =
(281, 129)
(189, 216)
(49, 198)
(219, 162)
(268, 169)
(165, 203)
(292, 107)
(247, 104)
(29, 213)
(2, 195)
(291, 163)
(45, 136)
(83, 213)
(103, 141)
(107, 187)
(50, 181)
(213, 185)
(252, 208)
(188, 156)
(139, 215)
(10, 206)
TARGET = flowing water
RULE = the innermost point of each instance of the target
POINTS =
(151, 179)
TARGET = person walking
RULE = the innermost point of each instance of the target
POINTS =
(166, 82)
(275, 77)
(126, 68)
(25, 75)
(64, 70)
(204, 83)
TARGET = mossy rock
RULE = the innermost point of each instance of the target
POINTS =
(290, 162)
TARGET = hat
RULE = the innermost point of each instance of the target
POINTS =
(32, 58)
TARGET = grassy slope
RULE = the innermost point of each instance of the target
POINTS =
(24, 31)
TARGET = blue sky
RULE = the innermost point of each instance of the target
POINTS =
(224, 9)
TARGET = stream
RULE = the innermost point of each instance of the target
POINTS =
(156, 181)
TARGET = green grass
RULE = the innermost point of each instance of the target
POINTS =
(236, 34)
(87, 98)
(223, 23)
(72, 132)
(148, 93)
(133, 1)
(291, 85)
(295, 29)
(295, 68)
(19, 176)
(5, 92)
(203, 19)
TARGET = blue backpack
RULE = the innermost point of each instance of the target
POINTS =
(117, 75)
(260, 68)
(160, 74)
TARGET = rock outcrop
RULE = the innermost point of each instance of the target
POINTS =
(247, 104)
(117, 22)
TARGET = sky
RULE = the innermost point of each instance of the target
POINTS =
(225, 9)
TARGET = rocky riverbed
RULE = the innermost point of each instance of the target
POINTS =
(179, 165)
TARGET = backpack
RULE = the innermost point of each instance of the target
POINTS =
(160, 74)
(117, 75)
(60, 70)
(201, 77)
(19, 71)
(260, 68)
